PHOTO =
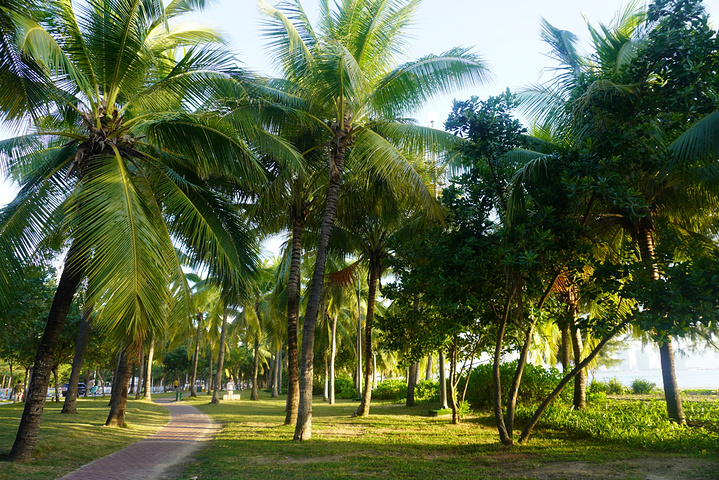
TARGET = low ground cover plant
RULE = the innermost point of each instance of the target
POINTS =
(641, 423)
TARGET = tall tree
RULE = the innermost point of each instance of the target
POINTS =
(346, 71)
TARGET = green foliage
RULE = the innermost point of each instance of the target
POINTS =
(426, 391)
(345, 387)
(390, 389)
(642, 387)
(537, 384)
(611, 387)
(638, 423)
(463, 408)
(700, 391)
(177, 363)
(23, 321)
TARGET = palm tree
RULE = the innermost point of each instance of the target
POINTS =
(116, 162)
(204, 294)
(346, 71)
(372, 216)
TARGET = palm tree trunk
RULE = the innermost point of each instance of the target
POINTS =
(333, 354)
(303, 429)
(220, 360)
(580, 381)
(140, 372)
(375, 269)
(255, 395)
(411, 384)
(57, 390)
(70, 405)
(148, 370)
(210, 378)
(118, 400)
(275, 375)
(35, 400)
(675, 410)
(279, 370)
(442, 381)
(326, 374)
(293, 311)
(195, 358)
(132, 378)
(566, 341)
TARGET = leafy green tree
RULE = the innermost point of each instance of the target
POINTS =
(346, 74)
(176, 364)
(22, 320)
(644, 168)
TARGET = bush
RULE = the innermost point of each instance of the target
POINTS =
(391, 389)
(537, 383)
(642, 387)
(426, 391)
(345, 387)
(611, 387)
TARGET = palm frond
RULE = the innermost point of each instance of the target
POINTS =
(699, 143)
(408, 86)
(116, 229)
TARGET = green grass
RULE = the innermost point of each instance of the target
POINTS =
(67, 442)
(397, 442)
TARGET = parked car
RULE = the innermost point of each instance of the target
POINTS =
(81, 389)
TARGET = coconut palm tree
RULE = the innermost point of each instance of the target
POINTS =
(346, 69)
(116, 162)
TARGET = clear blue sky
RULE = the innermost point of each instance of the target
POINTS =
(505, 33)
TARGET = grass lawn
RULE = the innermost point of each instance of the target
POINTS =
(399, 442)
(67, 442)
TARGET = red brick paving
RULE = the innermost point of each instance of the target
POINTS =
(152, 457)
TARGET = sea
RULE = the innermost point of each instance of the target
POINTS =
(695, 369)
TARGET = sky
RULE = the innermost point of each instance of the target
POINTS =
(504, 33)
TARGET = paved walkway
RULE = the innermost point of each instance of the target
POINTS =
(154, 457)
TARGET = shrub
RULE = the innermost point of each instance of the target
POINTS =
(642, 387)
(537, 383)
(426, 391)
(611, 387)
(390, 389)
(345, 387)
(615, 387)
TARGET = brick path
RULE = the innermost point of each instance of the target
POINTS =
(154, 457)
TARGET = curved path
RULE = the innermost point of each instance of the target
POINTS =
(154, 457)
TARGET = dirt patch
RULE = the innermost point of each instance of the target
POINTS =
(347, 430)
(645, 468)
